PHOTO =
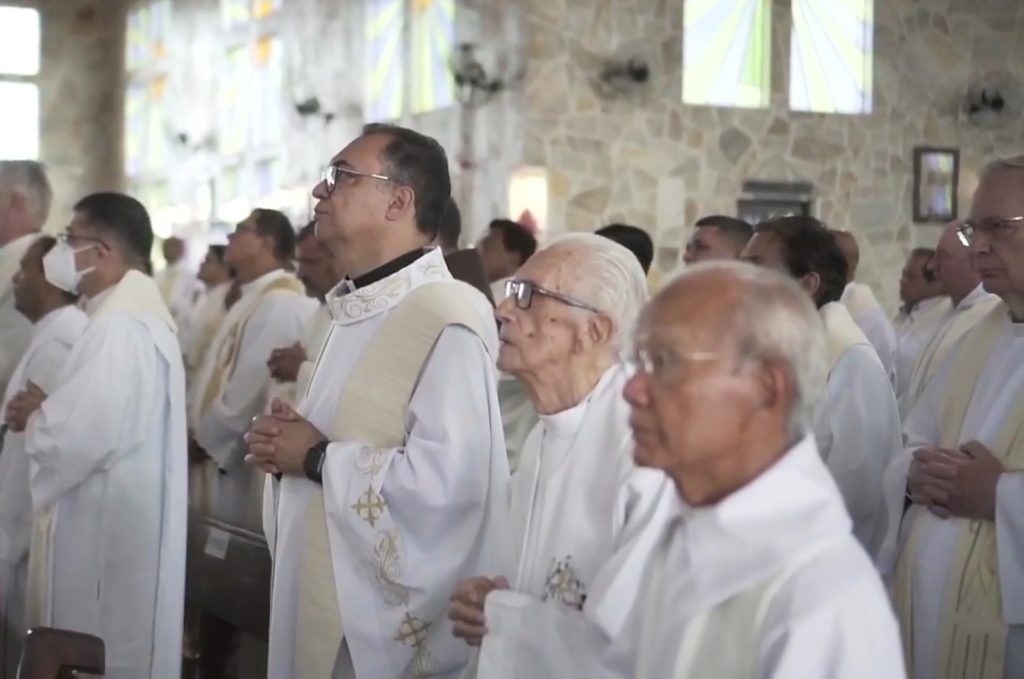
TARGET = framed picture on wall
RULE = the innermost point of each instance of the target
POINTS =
(936, 181)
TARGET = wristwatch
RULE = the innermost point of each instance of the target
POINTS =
(313, 465)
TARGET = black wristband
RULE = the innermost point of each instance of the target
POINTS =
(313, 465)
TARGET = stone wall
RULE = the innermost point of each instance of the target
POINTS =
(646, 159)
(656, 163)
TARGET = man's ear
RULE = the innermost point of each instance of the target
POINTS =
(810, 282)
(402, 200)
(600, 329)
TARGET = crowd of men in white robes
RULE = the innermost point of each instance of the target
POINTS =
(511, 461)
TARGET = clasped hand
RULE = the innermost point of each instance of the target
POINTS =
(959, 483)
(278, 442)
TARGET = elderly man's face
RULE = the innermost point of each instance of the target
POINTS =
(689, 398)
(550, 331)
(998, 252)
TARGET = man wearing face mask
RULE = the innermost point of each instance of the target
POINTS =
(107, 452)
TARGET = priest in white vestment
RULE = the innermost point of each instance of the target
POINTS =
(177, 283)
(107, 453)
(856, 423)
(578, 504)
(970, 303)
(25, 197)
(862, 304)
(292, 366)
(925, 308)
(231, 386)
(393, 471)
(209, 310)
(56, 325)
(755, 572)
(959, 578)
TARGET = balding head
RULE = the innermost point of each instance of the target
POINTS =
(25, 197)
(730, 364)
(952, 265)
(851, 252)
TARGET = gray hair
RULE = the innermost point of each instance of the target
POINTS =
(30, 177)
(776, 319)
(610, 279)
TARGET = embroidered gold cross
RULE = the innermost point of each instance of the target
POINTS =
(370, 506)
(412, 631)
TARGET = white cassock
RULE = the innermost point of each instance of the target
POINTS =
(857, 425)
(874, 322)
(995, 403)
(15, 330)
(108, 480)
(445, 490)
(263, 319)
(41, 364)
(769, 582)
(317, 327)
(203, 323)
(518, 417)
(583, 520)
(963, 317)
(179, 288)
(915, 328)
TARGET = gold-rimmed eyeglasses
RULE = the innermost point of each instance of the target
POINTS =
(660, 364)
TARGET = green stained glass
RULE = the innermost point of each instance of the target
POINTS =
(727, 52)
(831, 56)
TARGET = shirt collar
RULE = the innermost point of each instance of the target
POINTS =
(259, 283)
(349, 302)
(751, 534)
(976, 295)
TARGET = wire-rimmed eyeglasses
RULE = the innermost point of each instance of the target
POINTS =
(994, 228)
(331, 174)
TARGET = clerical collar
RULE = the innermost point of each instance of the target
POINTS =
(384, 270)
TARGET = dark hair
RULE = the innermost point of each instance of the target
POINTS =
(47, 243)
(633, 239)
(308, 231)
(450, 228)
(419, 162)
(276, 226)
(809, 247)
(219, 251)
(124, 221)
(736, 230)
(515, 237)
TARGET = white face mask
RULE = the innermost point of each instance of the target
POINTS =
(59, 267)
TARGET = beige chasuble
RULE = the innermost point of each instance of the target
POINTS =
(371, 409)
(973, 631)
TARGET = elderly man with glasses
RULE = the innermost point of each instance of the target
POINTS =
(959, 580)
(392, 468)
(581, 513)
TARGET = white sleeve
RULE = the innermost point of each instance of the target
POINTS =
(1010, 545)
(81, 427)
(45, 365)
(864, 427)
(279, 321)
(849, 639)
(440, 490)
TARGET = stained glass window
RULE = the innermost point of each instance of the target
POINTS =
(233, 114)
(266, 178)
(19, 41)
(831, 56)
(433, 35)
(385, 59)
(236, 13)
(19, 120)
(149, 26)
(727, 52)
(146, 147)
(268, 76)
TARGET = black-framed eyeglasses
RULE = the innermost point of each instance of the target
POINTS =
(995, 228)
(333, 173)
(66, 238)
(523, 291)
